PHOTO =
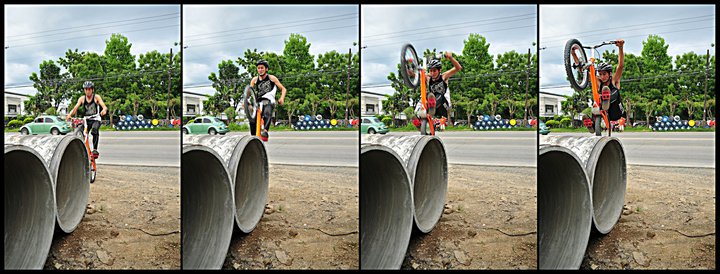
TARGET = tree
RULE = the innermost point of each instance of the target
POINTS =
(51, 84)
(227, 83)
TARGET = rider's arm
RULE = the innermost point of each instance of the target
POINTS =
(70, 114)
(456, 66)
(252, 81)
(102, 104)
(621, 63)
(282, 88)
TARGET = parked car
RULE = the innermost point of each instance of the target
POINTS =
(46, 124)
(544, 130)
(372, 125)
(205, 124)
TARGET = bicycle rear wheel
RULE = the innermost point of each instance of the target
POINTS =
(576, 73)
(409, 66)
(598, 125)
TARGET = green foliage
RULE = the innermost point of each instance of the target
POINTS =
(15, 124)
(51, 111)
(552, 123)
(565, 122)
(387, 120)
(28, 120)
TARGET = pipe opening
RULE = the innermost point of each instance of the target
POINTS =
(72, 185)
(251, 186)
(385, 210)
(207, 215)
(29, 209)
(608, 183)
(564, 210)
(430, 185)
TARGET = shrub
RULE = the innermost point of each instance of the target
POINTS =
(387, 121)
(552, 123)
(15, 124)
(51, 111)
(565, 122)
(28, 120)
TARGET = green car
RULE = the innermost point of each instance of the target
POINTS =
(205, 124)
(46, 125)
(544, 130)
(371, 124)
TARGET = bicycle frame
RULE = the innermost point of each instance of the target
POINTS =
(423, 93)
(87, 139)
(594, 84)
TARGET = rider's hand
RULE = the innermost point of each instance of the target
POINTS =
(619, 43)
(102, 113)
(67, 117)
(281, 101)
(448, 54)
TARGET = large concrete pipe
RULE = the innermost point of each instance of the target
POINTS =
(208, 208)
(247, 163)
(386, 208)
(564, 209)
(29, 208)
(68, 162)
(604, 161)
(426, 164)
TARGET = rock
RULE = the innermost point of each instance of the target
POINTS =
(269, 209)
(104, 257)
(461, 257)
(283, 257)
(236, 266)
(415, 265)
(448, 209)
(640, 258)
(651, 234)
(90, 211)
(627, 212)
(58, 265)
(293, 233)
(114, 233)
(593, 266)
(471, 233)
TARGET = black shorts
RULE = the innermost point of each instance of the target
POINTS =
(616, 110)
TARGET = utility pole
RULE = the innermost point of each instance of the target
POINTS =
(347, 92)
(527, 86)
(169, 84)
(707, 67)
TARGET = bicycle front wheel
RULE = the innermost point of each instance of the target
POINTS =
(409, 66)
(575, 62)
(250, 102)
(598, 125)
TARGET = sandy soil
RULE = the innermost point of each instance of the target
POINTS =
(668, 222)
(132, 222)
(310, 222)
(489, 222)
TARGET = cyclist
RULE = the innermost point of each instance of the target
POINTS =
(610, 84)
(266, 85)
(438, 91)
(90, 103)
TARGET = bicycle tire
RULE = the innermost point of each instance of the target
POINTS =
(423, 127)
(569, 70)
(408, 66)
(597, 124)
(93, 175)
(249, 102)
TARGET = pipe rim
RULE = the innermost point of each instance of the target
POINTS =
(604, 219)
(426, 219)
(248, 219)
(79, 202)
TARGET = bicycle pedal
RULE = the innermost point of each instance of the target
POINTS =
(431, 102)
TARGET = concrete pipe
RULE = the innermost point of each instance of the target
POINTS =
(386, 208)
(564, 209)
(29, 208)
(69, 164)
(426, 163)
(247, 163)
(208, 209)
(604, 161)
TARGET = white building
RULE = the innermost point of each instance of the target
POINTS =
(371, 103)
(193, 103)
(15, 104)
(550, 104)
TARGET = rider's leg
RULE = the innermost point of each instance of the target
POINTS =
(95, 131)
(588, 122)
(267, 118)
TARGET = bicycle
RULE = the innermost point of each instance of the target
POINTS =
(412, 73)
(253, 109)
(86, 137)
(578, 68)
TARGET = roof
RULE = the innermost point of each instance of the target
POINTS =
(17, 94)
(195, 93)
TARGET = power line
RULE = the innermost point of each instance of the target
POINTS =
(625, 30)
(634, 79)
(642, 35)
(88, 78)
(281, 27)
(444, 28)
(87, 36)
(140, 18)
(624, 26)
(103, 27)
(464, 77)
(263, 26)
(445, 36)
(267, 36)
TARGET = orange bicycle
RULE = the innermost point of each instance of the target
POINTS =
(580, 71)
(412, 74)
(83, 133)
(253, 109)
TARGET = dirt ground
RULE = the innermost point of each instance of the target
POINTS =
(132, 222)
(489, 222)
(310, 222)
(668, 222)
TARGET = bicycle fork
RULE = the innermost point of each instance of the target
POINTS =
(424, 101)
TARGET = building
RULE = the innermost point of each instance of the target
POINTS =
(193, 103)
(371, 103)
(550, 104)
(15, 104)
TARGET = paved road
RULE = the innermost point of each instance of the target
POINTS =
(685, 149)
(501, 148)
(148, 148)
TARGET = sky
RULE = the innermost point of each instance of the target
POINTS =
(685, 28)
(34, 33)
(213, 33)
(385, 28)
